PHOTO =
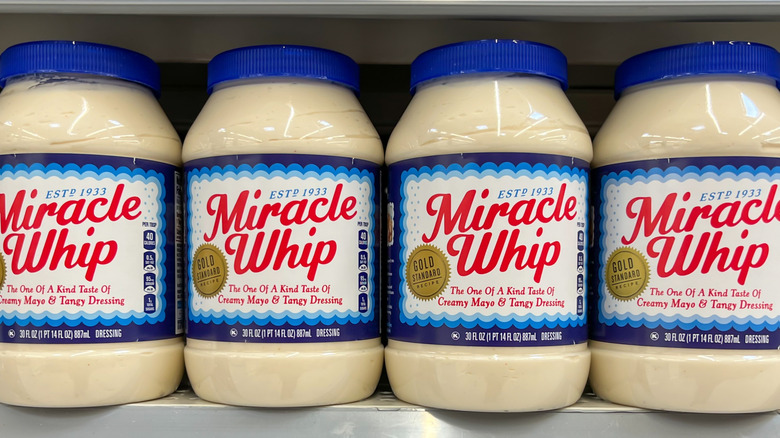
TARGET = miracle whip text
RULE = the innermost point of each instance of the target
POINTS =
(673, 227)
(461, 222)
(52, 248)
(244, 227)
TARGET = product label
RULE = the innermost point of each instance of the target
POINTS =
(89, 249)
(687, 252)
(488, 249)
(282, 248)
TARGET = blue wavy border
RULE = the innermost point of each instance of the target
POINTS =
(278, 319)
(55, 170)
(675, 173)
(276, 170)
(687, 172)
(687, 323)
(262, 170)
(546, 320)
(488, 169)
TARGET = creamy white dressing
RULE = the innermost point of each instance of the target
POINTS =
(488, 113)
(97, 116)
(287, 116)
(696, 117)
(283, 116)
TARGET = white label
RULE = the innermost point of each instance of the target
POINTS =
(295, 246)
(87, 246)
(498, 245)
(694, 249)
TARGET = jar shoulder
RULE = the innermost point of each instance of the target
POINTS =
(692, 119)
(489, 116)
(85, 118)
(290, 118)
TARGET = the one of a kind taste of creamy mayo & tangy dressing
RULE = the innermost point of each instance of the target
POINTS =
(282, 170)
(90, 308)
(687, 228)
(488, 204)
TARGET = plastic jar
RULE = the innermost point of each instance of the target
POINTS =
(686, 171)
(90, 304)
(488, 199)
(282, 170)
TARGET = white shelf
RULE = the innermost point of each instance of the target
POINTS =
(184, 415)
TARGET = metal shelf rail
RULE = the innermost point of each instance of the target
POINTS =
(536, 9)
(382, 415)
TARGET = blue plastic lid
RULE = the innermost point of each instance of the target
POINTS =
(704, 58)
(78, 57)
(285, 61)
(485, 56)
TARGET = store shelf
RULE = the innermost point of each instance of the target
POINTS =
(384, 36)
(197, 38)
(183, 414)
(596, 32)
(524, 9)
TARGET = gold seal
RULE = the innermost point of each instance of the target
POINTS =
(209, 270)
(2, 271)
(427, 272)
(627, 273)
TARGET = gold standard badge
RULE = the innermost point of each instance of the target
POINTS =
(2, 271)
(627, 273)
(209, 270)
(427, 272)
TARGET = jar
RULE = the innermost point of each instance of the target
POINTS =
(282, 170)
(90, 304)
(488, 177)
(686, 171)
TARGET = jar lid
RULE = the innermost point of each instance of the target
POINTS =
(283, 61)
(78, 57)
(484, 56)
(703, 58)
